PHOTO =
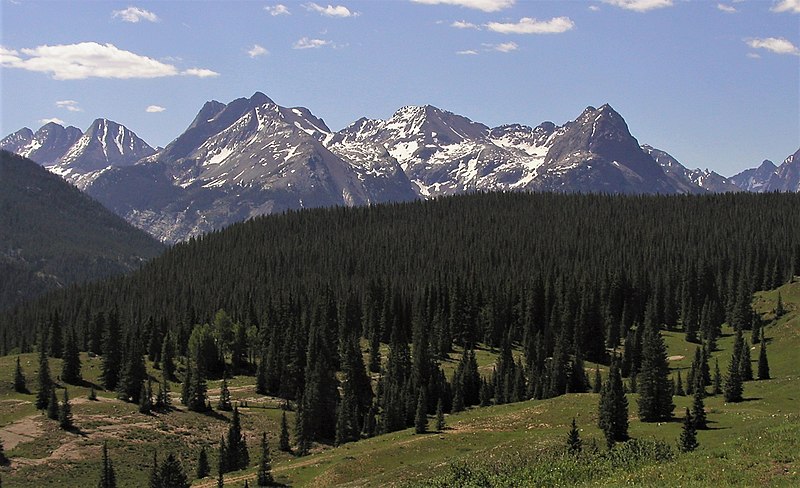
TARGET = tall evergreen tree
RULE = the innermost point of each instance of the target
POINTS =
(717, 383)
(598, 380)
(134, 373)
(733, 382)
(222, 459)
(146, 397)
(238, 456)
(440, 423)
(679, 386)
(780, 309)
(574, 443)
(688, 439)
(56, 336)
(45, 384)
(763, 362)
(52, 405)
(168, 356)
(20, 384)
(155, 473)
(613, 407)
(112, 353)
(65, 413)
(203, 468)
(321, 391)
(264, 477)
(655, 391)
(197, 390)
(421, 417)
(698, 408)
(745, 363)
(108, 478)
(224, 403)
(71, 366)
(172, 473)
(283, 440)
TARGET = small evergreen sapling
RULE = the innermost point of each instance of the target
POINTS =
(688, 439)
(203, 468)
(265, 465)
(440, 423)
(20, 385)
(763, 362)
(65, 413)
(224, 396)
(574, 442)
(45, 383)
(283, 440)
(52, 405)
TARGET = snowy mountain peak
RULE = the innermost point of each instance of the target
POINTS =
(45, 146)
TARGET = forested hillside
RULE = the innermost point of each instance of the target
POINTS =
(52, 235)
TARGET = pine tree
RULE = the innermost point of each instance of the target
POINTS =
(197, 389)
(717, 383)
(655, 392)
(224, 396)
(20, 384)
(302, 438)
(780, 310)
(65, 413)
(203, 468)
(688, 438)
(134, 373)
(421, 417)
(283, 440)
(186, 384)
(222, 459)
(745, 363)
(146, 397)
(56, 336)
(71, 366)
(440, 423)
(698, 408)
(265, 465)
(763, 362)
(52, 405)
(733, 382)
(238, 457)
(574, 443)
(168, 357)
(112, 353)
(45, 383)
(107, 477)
(155, 474)
(613, 407)
(172, 473)
(679, 386)
(485, 393)
(598, 380)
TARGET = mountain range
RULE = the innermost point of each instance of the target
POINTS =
(252, 156)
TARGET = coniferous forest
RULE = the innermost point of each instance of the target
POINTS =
(295, 299)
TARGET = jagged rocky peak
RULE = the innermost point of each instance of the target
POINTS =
(105, 143)
(439, 125)
(45, 146)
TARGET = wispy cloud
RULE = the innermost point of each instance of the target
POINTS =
(463, 24)
(54, 120)
(200, 73)
(777, 45)
(154, 109)
(640, 5)
(306, 43)
(594, 8)
(331, 10)
(69, 105)
(505, 47)
(257, 51)
(279, 9)
(484, 5)
(527, 25)
(135, 15)
(468, 52)
(728, 9)
(792, 6)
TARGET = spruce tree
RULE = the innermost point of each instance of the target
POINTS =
(3, 458)
(655, 392)
(65, 413)
(745, 363)
(780, 310)
(763, 362)
(598, 380)
(146, 397)
(71, 366)
(155, 474)
(224, 396)
(168, 356)
(688, 438)
(198, 389)
(440, 423)
(264, 477)
(56, 336)
(698, 408)
(485, 393)
(733, 382)
(717, 383)
(52, 405)
(203, 468)
(108, 478)
(421, 417)
(679, 386)
(613, 407)
(45, 383)
(574, 443)
(172, 473)
(20, 384)
(238, 457)
(302, 437)
(222, 459)
(112, 353)
(283, 440)
(186, 384)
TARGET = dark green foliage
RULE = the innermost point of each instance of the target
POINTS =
(52, 405)
(112, 352)
(236, 446)
(196, 388)
(613, 407)
(679, 391)
(302, 439)
(763, 362)
(20, 384)
(321, 395)
(155, 474)
(733, 382)
(598, 380)
(224, 403)
(440, 422)
(688, 439)
(421, 417)
(168, 357)
(171, 473)
(574, 442)
(45, 384)
(65, 413)
(222, 459)
(264, 477)
(108, 478)
(56, 337)
(283, 440)
(146, 397)
(655, 391)
(780, 310)
(3, 458)
(717, 382)
(133, 373)
(71, 366)
(745, 363)
(698, 408)
(203, 468)
(186, 384)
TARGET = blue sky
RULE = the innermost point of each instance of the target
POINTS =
(714, 83)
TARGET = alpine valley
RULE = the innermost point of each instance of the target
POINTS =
(252, 157)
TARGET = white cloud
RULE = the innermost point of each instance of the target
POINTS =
(257, 51)
(200, 73)
(728, 9)
(331, 10)
(468, 52)
(54, 120)
(754, 55)
(639, 5)
(527, 25)
(485, 5)
(792, 6)
(306, 43)
(777, 45)
(154, 109)
(278, 9)
(135, 14)
(69, 105)
(594, 8)
(463, 24)
(505, 47)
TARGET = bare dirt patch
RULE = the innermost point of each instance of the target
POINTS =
(24, 430)
(676, 358)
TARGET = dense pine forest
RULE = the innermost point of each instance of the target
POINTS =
(296, 298)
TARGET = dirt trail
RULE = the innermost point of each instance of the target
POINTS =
(23, 430)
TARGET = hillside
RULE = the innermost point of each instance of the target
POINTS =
(52, 235)
(750, 443)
